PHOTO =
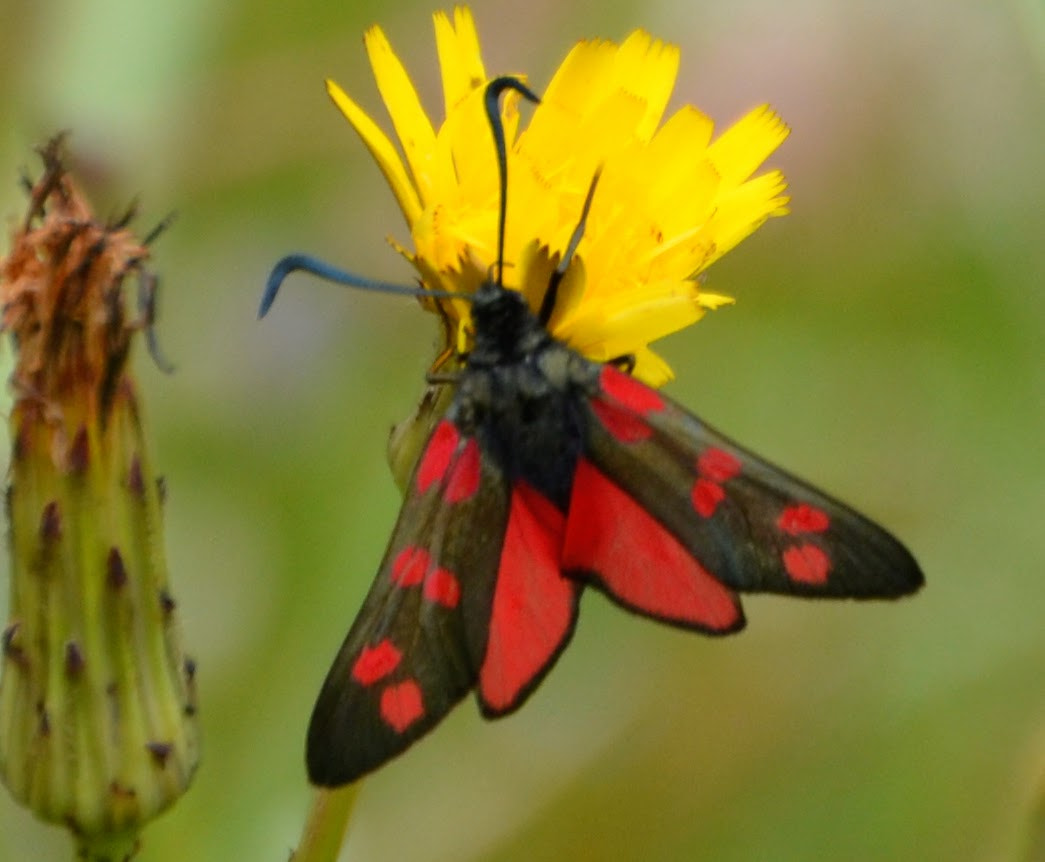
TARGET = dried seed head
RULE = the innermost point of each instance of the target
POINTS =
(95, 729)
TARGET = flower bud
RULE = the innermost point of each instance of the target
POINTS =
(97, 700)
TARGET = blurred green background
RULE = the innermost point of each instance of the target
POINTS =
(887, 344)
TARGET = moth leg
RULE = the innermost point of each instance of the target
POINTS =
(443, 378)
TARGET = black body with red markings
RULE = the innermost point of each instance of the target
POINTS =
(549, 472)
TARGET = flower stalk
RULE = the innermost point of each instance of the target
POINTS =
(327, 823)
(97, 700)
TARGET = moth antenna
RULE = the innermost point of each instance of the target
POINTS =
(578, 232)
(328, 272)
(493, 114)
(550, 295)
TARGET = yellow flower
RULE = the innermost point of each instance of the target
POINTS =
(670, 200)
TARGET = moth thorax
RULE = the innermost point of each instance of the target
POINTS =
(502, 320)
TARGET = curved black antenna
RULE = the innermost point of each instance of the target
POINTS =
(548, 303)
(322, 269)
(493, 114)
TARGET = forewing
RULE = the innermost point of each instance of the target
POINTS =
(416, 647)
(744, 523)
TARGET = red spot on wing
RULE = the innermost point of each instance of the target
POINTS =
(624, 425)
(410, 565)
(376, 662)
(706, 496)
(443, 460)
(629, 391)
(637, 561)
(803, 518)
(807, 564)
(534, 606)
(413, 566)
(463, 481)
(437, 454)
(402, 705)
(718, 465)
(443, 588)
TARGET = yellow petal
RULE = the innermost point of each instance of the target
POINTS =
(744, 210)
(466, 136)
(615, 325)
(382, 150)
(460, 59)
(714, 300)
(647, 68)
(650, 368)
(581, 79)
(686, 132)
(415, 132)
(566, 151)
(681, 187)
(738, 151)
(685, 254)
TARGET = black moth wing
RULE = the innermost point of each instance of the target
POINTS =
(751, 525)
(416, 645)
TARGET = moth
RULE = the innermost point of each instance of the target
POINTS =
(547, 474)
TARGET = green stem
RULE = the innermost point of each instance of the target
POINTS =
(327, 824)
(114, 847)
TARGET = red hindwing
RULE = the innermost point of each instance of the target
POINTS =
(534, 606)
(621, 548)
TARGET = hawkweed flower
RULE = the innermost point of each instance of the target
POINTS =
(97, 702)
(671, 200)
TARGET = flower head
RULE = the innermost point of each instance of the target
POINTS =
(670, 200)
